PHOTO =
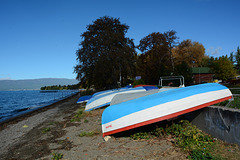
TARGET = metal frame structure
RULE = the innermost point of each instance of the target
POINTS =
(181, 78)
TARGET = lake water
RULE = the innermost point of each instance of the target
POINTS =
(13, 103)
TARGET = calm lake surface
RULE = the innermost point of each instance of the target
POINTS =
(14, 103)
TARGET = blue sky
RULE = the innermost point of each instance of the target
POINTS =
(39, 38)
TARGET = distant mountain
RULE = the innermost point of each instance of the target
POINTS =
(34, 84)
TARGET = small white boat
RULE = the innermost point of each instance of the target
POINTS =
(105, 99)
(161, 106)
(110, 90)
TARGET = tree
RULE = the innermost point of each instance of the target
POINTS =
(191, 52)
(231, 58)
(222, 67)
(171, 38)
(155, 58)
(106, 56)
(237, 57)
(184, 70)
(204, 62)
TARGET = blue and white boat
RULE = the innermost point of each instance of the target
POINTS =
(84, 98)
(179, 80)
(87, 97)
(110, 90)
(105, 99)
(161, 106)
(119, 98)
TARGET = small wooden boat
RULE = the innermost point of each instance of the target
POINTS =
(161, 106)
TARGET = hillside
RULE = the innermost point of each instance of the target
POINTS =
(34, 84)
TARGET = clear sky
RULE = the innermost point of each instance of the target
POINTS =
(39, 38)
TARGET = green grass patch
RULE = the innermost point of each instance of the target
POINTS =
(45, 130)
(57, 156)
(78, 116)
(234, 104)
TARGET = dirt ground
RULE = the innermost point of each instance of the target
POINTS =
(52, 131)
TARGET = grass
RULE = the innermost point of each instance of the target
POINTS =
(141, 135)
(190, 139)
(45, 130)
(234, 104)
(57, 156)
(78, 116)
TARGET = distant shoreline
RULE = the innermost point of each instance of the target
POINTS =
(34, 84)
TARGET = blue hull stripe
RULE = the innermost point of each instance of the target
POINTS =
(120, 110)
(105, 104)
(84, 98)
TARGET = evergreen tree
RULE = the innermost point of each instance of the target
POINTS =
(231, 57)
(237, 57)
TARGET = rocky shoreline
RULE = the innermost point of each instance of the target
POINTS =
(50, 132)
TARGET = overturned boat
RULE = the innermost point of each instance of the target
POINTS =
(110, 90)
(178, 80)
(106, 98)
(83, 99)
(161, 106)
(119, 98)
(86, 98)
